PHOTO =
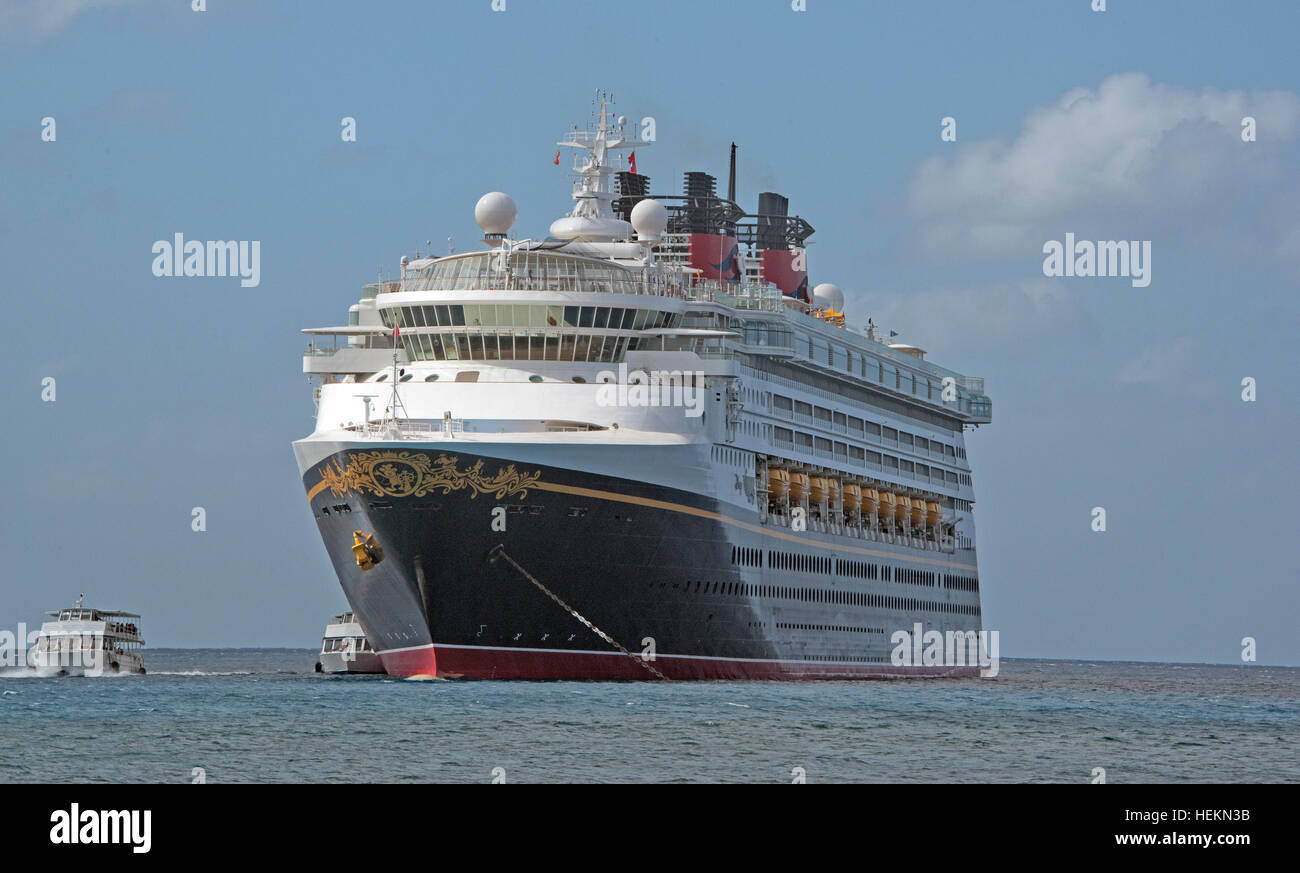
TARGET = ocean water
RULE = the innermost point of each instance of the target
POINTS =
(265, 716)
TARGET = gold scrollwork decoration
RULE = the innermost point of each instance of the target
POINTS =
(388, 473)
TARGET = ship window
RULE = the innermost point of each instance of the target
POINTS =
(467, 376)
(534, 378)
(579, 380)
(382, 377)
(406, 378)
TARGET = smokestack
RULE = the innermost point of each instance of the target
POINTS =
(731, 182)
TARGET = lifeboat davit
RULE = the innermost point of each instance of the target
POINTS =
(933, 513)
(798, 485)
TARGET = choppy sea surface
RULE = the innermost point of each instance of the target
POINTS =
(251, 715)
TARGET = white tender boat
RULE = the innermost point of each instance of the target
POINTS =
(345, 649)
(88, 642)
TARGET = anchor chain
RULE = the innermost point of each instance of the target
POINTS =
(499, 551)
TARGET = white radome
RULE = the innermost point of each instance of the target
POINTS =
(496, 213)
(650, 219)
(828, 296)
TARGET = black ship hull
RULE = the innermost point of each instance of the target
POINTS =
(485, 563)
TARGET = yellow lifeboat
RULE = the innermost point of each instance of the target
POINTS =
(798, 485)
(933, 513)
(820, 491)
(918, 512)
(888, 504)
(367, 551)
(833, 490)
(870, 501)
(852, 497)
(778, 484)
(902, 508)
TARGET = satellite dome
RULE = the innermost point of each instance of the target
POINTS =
(650, 219)
(496, 213)
(828, 296)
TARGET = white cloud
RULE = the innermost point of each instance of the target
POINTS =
(1162, 362)
(37, 19)
(1125, 158)
(1031, 311)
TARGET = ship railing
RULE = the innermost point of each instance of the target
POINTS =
(511, 282)
(407, 428)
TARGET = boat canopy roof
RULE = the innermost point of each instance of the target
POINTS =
(84, 613)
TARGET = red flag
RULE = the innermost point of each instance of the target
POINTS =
(397, 331)
(631, 159)
(557, 159)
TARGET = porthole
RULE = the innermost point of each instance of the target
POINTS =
(406, 378)
(534, 378)
(580, 380)
(432, 377)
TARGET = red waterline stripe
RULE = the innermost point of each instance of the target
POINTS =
(466, 662)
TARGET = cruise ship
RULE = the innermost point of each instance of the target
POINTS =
(638, 447)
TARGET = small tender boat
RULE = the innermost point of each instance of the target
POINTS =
(82, 641)
(345, 649)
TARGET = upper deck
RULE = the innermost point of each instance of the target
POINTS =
(623, 273)
(520, 305)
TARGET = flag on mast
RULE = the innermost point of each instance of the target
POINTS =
(397, 331)
(557, 159)
(631, 159)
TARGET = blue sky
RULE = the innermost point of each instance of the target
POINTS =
(224, 124)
